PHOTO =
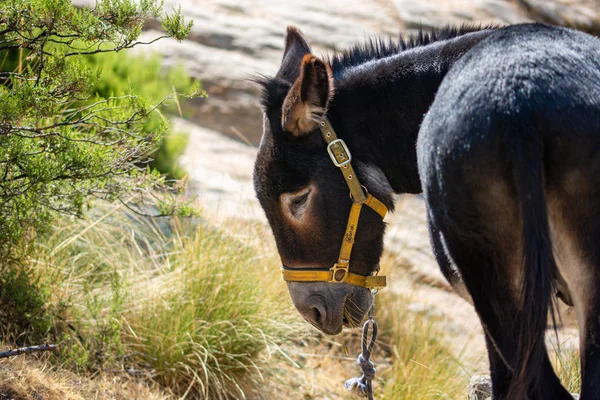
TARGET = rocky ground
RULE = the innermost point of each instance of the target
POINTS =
(233, 40)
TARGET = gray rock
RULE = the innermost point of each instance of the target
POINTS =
(579, 14)
(425, 310)
(415, 14)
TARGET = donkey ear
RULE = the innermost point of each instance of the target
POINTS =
(296, 47)
(306, 102)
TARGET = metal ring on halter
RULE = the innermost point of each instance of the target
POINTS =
(364, 189)
(374, 291)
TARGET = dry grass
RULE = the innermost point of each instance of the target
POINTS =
(422, 366)
(567, 366)
(207, 326)
(201, 312)
(33, 378)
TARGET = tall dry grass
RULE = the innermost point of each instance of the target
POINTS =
(567, 366)
(422, 366)
(177, 302)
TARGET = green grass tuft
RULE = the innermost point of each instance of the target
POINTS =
(207, 320)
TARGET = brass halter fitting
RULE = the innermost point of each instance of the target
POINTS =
(340, 272)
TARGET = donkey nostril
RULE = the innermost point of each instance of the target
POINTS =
(316, 316)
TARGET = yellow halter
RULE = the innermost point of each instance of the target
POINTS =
(339, 273)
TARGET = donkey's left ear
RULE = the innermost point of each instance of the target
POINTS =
(306, 102)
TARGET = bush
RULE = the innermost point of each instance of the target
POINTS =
(23, 304)
(209, 320)
(166, 158)
(122, 73)
(62, 144)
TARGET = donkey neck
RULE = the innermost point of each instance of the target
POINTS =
(379, 105)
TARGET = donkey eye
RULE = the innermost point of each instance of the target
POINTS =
(295, 203)
(300, 200)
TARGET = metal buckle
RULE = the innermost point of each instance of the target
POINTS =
(346, 153)
(334, 274)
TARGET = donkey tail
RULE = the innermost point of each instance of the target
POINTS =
(538, 264)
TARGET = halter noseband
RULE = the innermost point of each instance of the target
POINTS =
(339, 273)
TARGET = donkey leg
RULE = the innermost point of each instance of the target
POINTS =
(573, 197)
(480, 221)
(584, 286)
(588, 305)
(482, 270)
(576, 229)
(590, 353)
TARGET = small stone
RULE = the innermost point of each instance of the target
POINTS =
(480, 387)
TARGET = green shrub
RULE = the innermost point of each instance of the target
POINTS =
(166, 158)
(119, 74)
(209, 320)
(122, 73)
(23, 304)
(62, 143)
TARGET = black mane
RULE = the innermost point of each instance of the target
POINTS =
(380, 47)
(377, 47)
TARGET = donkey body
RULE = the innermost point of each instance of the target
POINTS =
(508, 158)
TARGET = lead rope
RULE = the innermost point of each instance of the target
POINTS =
(363, 386)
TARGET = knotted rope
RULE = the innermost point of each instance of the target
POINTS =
(363, 386)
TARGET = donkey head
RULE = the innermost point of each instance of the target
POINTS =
(305, 197)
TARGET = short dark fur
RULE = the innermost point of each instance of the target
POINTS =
(508, 158)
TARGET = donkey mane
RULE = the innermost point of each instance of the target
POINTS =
(378, 47)
(375, 48)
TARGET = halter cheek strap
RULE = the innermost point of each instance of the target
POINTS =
(339, 273)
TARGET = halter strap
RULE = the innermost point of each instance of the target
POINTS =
(339, 273)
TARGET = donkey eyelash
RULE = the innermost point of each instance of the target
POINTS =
(300, 200)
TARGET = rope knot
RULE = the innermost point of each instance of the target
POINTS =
(367, 367)
(362, 386)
